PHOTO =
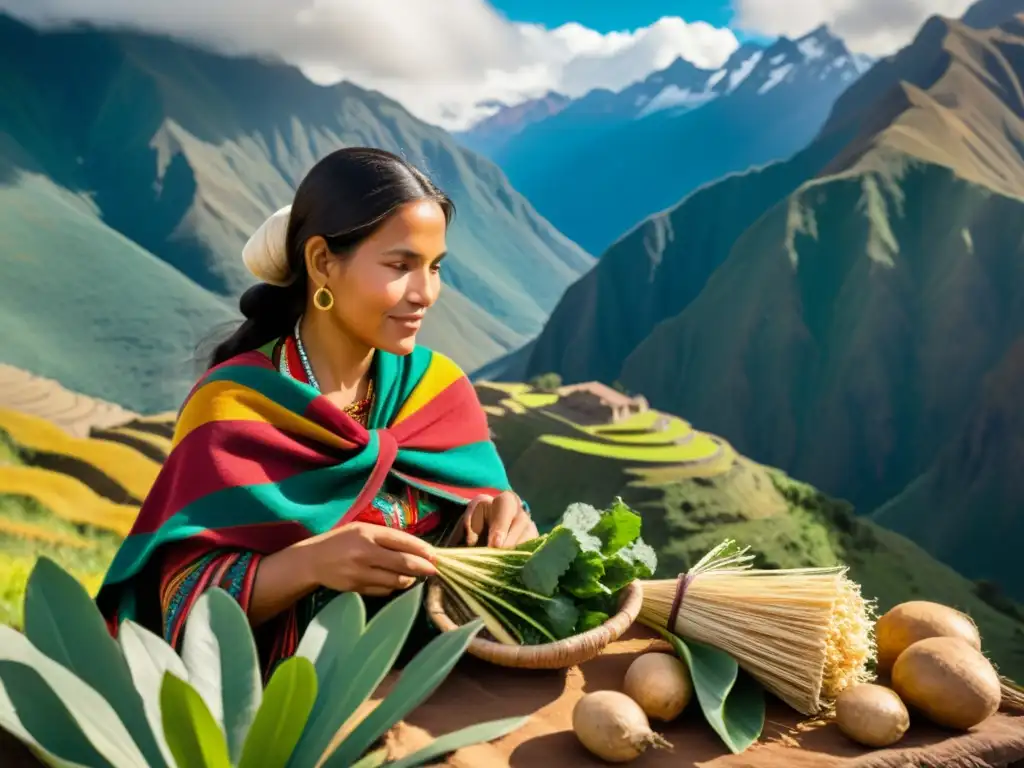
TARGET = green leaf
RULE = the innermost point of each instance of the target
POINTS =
(148, 658)
(464, 737)
(282, 716)
(551, 560)
(349, 685)
(618, 572)
(606, 603)
(530, 545)
(617, 528)
(343, 620)
(192, 733)
(580, 519)
(590, 620)
(62, 621)
(374, 759)
(32, 713)
(220, 654)
(417, 681)
(643, 557)
(78, 723)
(732, 703)
(584, 577)
(561, 615)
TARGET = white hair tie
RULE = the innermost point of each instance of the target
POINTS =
(266, 253)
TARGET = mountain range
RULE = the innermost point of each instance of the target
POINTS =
(133, 171)
(668, 134)
(854, 314)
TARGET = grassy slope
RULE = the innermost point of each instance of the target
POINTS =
(980, 472)
(82, 304)
(787, 523)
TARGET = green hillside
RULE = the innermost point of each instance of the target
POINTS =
(185, 153)
(690, 505)
(965, 508)
(89, 307)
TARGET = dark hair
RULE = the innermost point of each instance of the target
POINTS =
(344, 198)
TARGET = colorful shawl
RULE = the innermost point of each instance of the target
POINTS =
(260, 461)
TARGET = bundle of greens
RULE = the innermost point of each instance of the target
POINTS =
(558, 585)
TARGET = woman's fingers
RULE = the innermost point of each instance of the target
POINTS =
(403, 563)
(380, 577)
(503, 512)
(476, 519)
(523, 529)
(400, 541)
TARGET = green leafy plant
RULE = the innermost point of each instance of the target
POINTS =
(557, 585)
(77, 698)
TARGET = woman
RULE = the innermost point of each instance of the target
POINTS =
(323, 451)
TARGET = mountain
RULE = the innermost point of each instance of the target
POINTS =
(965, 508)
(838, 314)
(864, 310)
(991, 13)
(177, 155)
(492, 133)
(676, 130)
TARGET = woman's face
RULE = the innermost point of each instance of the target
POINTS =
(383, 289)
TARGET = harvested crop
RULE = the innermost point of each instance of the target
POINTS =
(614, 727)
(872, 715)
(805, 634)
(555, 586)
(948, 680)
(906, 623)
(660, 684)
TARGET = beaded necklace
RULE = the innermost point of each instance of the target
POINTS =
(359, 410)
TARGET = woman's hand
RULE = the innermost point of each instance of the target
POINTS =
(369, 559)
(503, 518)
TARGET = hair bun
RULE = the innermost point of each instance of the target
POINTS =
(266, 253)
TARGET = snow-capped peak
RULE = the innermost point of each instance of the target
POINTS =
(815, 57)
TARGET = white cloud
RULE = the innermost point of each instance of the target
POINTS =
(438, 57)
(877, 27)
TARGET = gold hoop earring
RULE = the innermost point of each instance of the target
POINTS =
(323, 298)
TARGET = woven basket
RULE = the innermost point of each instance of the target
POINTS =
(560, 655)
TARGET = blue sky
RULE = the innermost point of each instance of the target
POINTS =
(613, 15)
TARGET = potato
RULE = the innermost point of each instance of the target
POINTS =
(614, 727)
(906, 623)
(948, 680)
(660, 684)
(872, 715)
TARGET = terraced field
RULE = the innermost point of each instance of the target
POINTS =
(73, 471)
(693, 490)
(691, 487)
(534, 429)
(74, 413)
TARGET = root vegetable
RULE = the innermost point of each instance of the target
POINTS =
(872, 715)
(660, 684)
(613, 726)
(948, 680)
(909, 622)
